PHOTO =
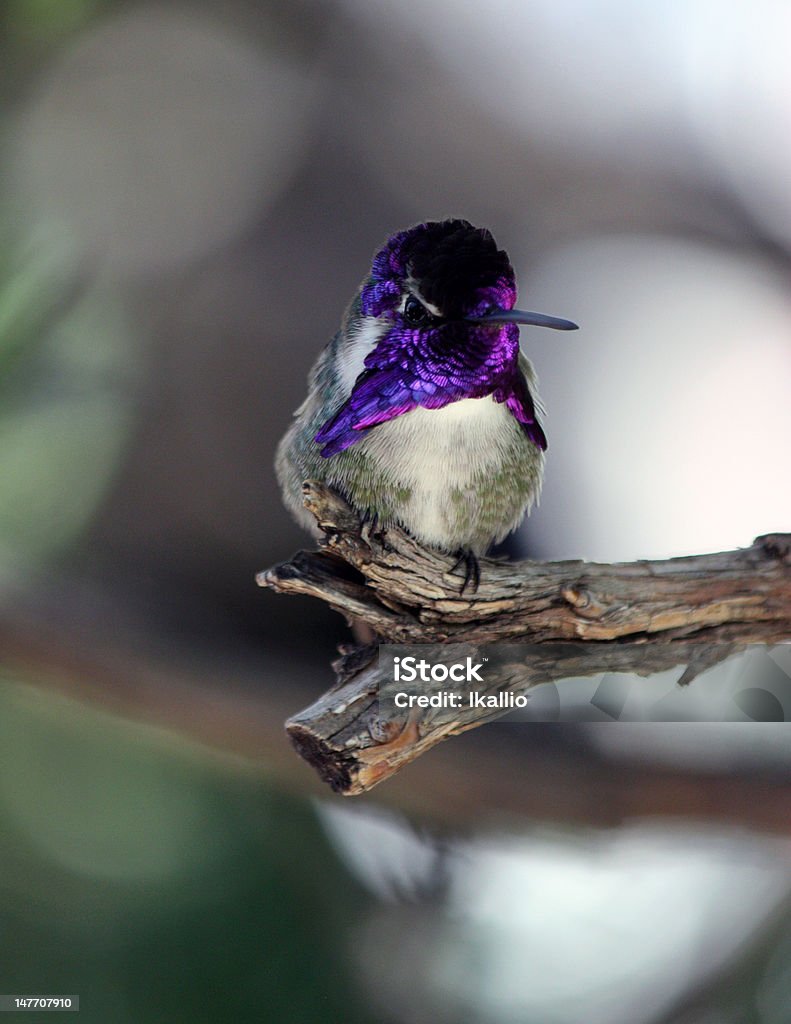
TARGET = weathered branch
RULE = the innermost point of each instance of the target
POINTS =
(578, 618)
(94, 652)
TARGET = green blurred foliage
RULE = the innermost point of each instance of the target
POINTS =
(48, 20)
(67, 372)
(157, 881)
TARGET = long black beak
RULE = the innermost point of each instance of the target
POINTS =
(520, 316)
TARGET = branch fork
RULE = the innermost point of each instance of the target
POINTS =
(576, 618)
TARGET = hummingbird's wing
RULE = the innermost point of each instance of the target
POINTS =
(520, 404)
(380, 395)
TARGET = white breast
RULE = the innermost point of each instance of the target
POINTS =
(433, 451)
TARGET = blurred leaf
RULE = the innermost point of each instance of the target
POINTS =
(44, 20)
(160, 882)
(31, 292)
(67, 372)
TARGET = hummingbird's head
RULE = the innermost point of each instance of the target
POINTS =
(444, 272)
(432, 324)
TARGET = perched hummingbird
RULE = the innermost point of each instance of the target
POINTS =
(421, 410)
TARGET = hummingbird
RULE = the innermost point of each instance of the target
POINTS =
(421, 411)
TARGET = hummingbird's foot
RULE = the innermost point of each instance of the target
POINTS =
(370, 526)
(472, 570)
(369, 519)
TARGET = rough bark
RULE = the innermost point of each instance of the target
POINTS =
(576, 618)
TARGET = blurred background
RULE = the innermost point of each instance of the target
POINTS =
(189, 196)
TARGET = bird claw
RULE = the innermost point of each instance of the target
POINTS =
(472, 569)
(369, 525)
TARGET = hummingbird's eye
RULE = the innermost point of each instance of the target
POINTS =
(415, 313)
